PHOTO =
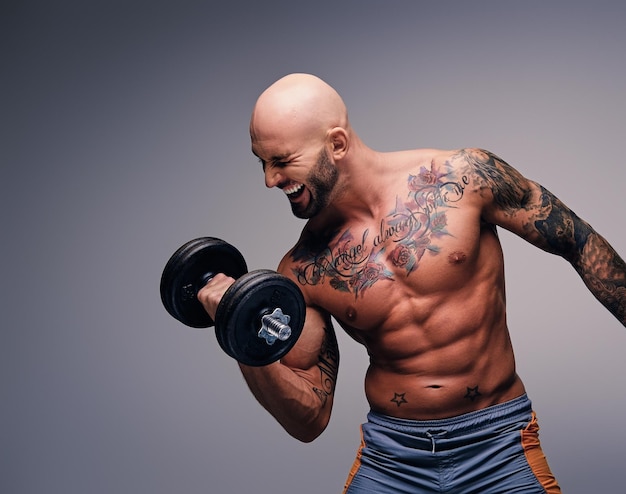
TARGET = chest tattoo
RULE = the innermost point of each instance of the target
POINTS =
(353, 263)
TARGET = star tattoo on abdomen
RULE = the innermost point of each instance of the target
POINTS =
(398, 398)
(472, 393)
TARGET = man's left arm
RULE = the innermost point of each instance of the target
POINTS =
(529, 210)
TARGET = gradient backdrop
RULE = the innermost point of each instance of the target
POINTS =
(124, 134)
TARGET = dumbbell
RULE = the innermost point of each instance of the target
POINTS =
(259, 318)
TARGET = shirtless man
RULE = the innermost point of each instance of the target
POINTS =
(401, 249)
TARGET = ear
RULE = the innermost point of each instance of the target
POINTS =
(339, 141)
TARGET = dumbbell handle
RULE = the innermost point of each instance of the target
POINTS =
(205, 278)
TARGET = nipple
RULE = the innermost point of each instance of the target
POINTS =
(457, 257)
(351, 313)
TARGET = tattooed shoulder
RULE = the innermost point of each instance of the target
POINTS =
(508, 187)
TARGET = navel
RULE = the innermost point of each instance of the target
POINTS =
(457, 257)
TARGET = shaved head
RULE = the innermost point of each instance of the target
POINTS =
(298, 106)
(300, 132)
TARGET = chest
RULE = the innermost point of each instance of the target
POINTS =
(363, 274)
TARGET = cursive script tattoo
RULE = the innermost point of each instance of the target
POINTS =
(353, 263)
(328, 365)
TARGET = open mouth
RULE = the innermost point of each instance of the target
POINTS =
(294, 191)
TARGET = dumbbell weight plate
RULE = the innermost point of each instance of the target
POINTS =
(184, 275)
(238, 317)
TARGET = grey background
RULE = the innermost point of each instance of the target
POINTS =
(124, 134)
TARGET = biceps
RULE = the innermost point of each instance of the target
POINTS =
(563, 232)
(315, 357)
(546, 222)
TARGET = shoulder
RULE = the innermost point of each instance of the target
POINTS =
(303, 250)
(494, 180)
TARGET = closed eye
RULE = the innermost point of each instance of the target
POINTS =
(275, 161)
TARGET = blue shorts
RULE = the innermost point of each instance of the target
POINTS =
(489, 451)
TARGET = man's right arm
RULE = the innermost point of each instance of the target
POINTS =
(299, 389)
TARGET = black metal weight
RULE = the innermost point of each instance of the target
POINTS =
(189, 269)
(259, 318)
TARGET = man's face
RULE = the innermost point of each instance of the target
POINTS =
(321, 181)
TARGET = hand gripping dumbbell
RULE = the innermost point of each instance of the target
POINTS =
(259, 318)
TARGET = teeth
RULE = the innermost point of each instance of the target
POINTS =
(292, 189)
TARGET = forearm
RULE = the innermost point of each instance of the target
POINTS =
(293, 401)
(604, 273)
(298, 390)
(561, 231)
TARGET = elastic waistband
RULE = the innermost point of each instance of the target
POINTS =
(517, 408)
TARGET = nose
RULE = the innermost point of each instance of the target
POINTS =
(273, 177)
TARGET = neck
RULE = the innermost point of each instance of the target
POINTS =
(360, 189)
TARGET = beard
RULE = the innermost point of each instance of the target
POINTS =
(321, 183)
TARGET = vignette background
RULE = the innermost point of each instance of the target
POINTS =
(124, 134)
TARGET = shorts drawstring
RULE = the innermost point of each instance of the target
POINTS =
(434, 434)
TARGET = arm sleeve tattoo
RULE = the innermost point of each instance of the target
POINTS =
(551, 225)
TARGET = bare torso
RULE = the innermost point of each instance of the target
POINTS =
(421, 285)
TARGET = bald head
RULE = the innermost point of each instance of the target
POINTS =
(296, 106)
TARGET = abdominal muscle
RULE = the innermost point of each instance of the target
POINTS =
(426, 396)
(456, 360)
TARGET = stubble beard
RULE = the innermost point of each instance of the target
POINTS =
(322, 180)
